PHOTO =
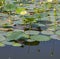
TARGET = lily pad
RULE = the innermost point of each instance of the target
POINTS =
(2, 38)
(18, 22)
(7, 43)
(47, 32)
(58, 32)
(9, 7)
(29, 40)
(32, 32)
(45, 22)
(16, 44)
(55, 37)
(2, 45)
(40, 38)
(15, 35)
(38, 24)
(19, 10)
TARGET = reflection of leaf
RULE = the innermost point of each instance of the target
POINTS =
(34, 43)
(40, 38)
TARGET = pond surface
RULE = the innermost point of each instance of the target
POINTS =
(44, 23)
(44, 50)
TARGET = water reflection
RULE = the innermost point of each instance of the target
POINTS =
(48, 50)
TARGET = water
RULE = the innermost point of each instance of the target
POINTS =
(45, 50)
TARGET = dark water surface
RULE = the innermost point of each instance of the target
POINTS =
(45, 50)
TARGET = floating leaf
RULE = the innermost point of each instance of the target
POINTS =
(7, 43)
(47, 32)
(2, 38)
(19, 10)
(16, 44)
(15, 35)
(55, 37)
(38, 24)
(40, 38)
(32, 32)
(29, 40)
(58, 32)
(30, 19)
(2, 45)
(18, 22)
(9, 7)
(2, 2)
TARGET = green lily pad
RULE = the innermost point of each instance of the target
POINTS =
(16, 44)
(2, 45)
(15, 35)
(44, 21)
(19, 10)
(29, 40)
(40, 38)
(32, 32)
(58, 32)
(40, 24)
(7, 43)
(30, 19)
(2, 38)
(19, 22)
(2, 2)
(2, 33)
(7, 26)
(57, 37)
(9, 7)
(47, 32)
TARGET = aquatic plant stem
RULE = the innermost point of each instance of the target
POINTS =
(55, 23)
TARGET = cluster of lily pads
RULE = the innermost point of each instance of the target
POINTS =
(22, 22)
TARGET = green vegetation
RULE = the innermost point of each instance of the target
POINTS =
(28, 21)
